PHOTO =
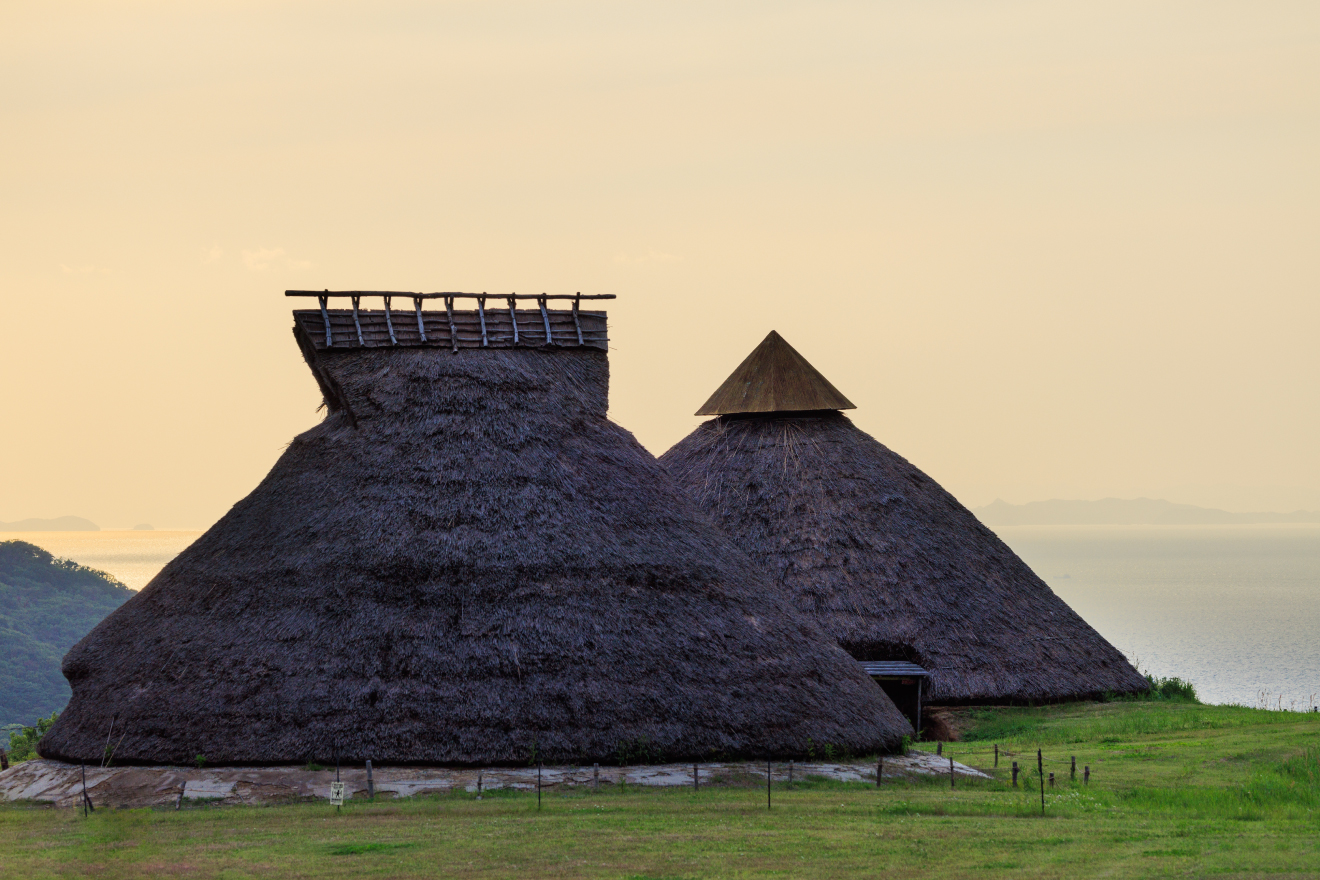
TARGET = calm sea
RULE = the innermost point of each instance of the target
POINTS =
(1233, 609)
(133, 557)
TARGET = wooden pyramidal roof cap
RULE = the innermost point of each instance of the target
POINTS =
(774, 378)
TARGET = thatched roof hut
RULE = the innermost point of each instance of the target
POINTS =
(466, 562)
(864, 542)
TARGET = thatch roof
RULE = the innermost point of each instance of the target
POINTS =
(465, 563)
(774, 378)
(890, 563)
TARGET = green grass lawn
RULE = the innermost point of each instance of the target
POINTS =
(1176, 789)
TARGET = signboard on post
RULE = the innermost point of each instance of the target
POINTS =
(337, 794)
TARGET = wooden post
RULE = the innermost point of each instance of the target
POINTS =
(421, 325)
(595, 776)
(939, 748)
(337, 807)
(87, 802)
(1086, 775)
(371, 785)
(879, 770)
(478, 785)
(696, 780)
(1015, 773)
(767, 785)
(538, 785)
(325, 319)
(545, 317)
(358, 325)
(921, 684)
(1072, 773)
(951, 772)
(1040, 768)
(389, 323)
(996, 755)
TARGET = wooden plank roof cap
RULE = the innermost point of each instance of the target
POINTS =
(774, 378)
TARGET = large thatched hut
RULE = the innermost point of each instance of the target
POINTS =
(466, 562)
(865, 543)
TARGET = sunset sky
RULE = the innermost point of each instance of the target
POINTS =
(1049, 249)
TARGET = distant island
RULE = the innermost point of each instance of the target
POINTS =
(1126, 512)
(59, 524)
(46, 606)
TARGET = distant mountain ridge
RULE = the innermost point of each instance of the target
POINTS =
(1126, 512)
(58, 524)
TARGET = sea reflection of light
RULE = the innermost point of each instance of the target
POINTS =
(1233, 609)
(134, 557)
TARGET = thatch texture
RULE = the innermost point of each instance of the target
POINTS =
(465, 563)
(774, 378)
(890, 563)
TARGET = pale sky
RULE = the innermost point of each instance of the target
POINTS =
(1049, 249)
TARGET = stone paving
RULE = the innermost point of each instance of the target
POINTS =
(60, 784)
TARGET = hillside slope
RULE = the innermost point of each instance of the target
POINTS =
(46, 606)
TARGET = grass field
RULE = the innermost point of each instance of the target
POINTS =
(1176, 789)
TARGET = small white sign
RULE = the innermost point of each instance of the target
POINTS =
(337, 794)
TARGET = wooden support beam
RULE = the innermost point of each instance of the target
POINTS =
(356, 322)
(325, 316)
(421, 327)
(389, 324)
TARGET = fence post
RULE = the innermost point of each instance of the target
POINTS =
(951, 772)
(1051, 780)
(939, 748)
(1072, 772)
(371, 785)
(879, 770)
(767, 785)
(87, 802)
(1040, 768)
(1086, 775)
(1015, 773)
(696, 779)
(538, 785)
(595, 777)
(996, 755)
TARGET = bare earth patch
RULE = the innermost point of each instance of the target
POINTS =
(60, 784)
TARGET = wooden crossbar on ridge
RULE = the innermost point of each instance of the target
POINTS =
(504, 318)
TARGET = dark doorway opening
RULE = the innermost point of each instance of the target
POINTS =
(903, 682)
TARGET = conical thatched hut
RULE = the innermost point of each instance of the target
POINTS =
(889, 563)
(466, 562)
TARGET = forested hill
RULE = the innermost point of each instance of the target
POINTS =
(46, 606)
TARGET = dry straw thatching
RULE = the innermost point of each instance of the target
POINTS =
(888, 562)
(465, 563)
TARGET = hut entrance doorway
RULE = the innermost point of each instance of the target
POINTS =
(903, 682)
